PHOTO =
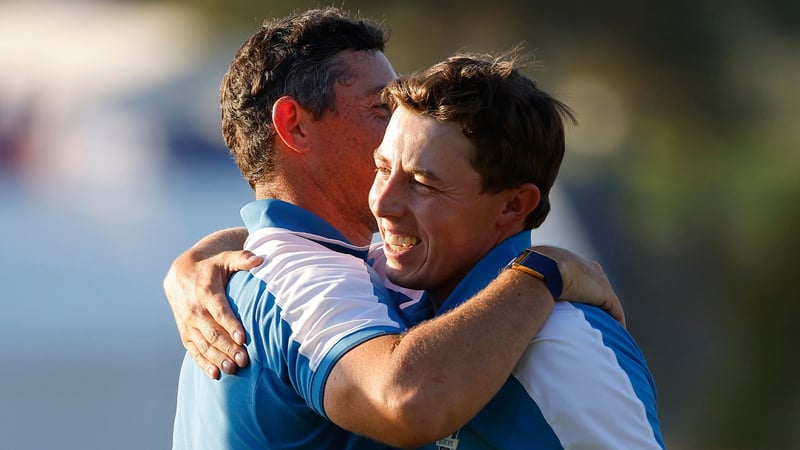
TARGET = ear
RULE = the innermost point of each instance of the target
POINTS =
(290, 119)
(520, 202)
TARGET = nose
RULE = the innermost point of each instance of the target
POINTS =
(386, 197)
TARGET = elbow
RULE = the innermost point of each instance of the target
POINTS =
(418, 419)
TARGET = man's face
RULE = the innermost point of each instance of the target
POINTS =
(351, 133)
(434, 220)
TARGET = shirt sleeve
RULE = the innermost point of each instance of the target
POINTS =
(328, 302)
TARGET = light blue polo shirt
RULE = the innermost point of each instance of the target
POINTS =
(314, 298)
(582, 383)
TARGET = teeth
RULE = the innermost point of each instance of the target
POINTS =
(402, 241)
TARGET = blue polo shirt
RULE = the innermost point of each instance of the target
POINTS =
(582, 382)
(313, 299)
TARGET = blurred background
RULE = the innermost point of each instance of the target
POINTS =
(681, 178)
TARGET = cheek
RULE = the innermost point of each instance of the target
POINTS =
(451, 231)
(441, 225)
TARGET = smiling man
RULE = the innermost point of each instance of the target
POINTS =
(434, 217)
(463, 174)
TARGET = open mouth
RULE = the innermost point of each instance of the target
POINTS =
(400, 242)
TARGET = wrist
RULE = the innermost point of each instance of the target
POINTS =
(539, 266)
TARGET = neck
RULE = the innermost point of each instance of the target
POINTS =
(439, 294)
(310, 198)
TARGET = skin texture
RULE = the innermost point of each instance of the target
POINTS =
(208, 329)
(195, 289)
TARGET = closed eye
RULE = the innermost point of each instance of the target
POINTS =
(422, 185)
(382, 110)
(382, 171)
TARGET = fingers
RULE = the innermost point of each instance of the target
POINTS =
(211, 351)
(615, 309)
(240, 260)
(225, 334)
(220, 310)
(612, 304)
(209, 368)
(585, 281)
(209, 329)
(224, 331)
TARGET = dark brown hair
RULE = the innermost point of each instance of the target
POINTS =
(517, 128)
(294, 56)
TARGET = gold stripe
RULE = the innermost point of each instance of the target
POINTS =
(527, 270)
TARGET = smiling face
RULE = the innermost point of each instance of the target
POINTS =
(434, 220)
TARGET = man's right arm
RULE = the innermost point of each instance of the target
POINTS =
(419, 386)
(422, 385)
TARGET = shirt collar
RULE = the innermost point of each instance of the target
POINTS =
(487, 269)
(272, 213)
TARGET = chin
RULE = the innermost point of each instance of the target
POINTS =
(409, 282)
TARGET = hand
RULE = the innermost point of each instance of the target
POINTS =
(584, 281)
(209, 330)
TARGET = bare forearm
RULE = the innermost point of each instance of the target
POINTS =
(463, 358)
(218, 242)
(438, 375)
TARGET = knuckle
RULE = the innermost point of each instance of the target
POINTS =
(230, 348)
(202, 345)
(214, 307)
(214, 335)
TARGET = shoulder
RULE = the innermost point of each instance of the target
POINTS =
(281, 245)
(296, 265)
(583, 361)
(568, 318)
(591, 336)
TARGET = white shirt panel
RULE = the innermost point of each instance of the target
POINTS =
(323, 295)
(576, 381)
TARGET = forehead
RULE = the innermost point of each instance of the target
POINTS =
(411, 136)
(370, 71)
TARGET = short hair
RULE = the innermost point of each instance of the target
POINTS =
(293, 56)
(517, 128)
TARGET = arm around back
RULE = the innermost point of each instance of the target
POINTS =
(411, 389)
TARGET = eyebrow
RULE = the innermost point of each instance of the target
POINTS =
(377, 89)
(377, 155)
(414, 171)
